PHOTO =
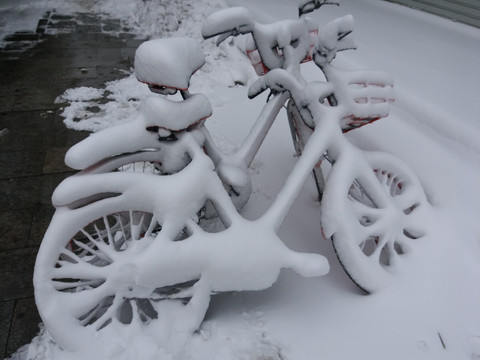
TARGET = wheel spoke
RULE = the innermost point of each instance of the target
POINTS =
(101, 236)
(81, 270)
(192, 226)
(153, 226)
(366, 214)
(136, 312)
(72, 286)
(371, 230)
(76, 304)
(380, 244)
(161, 294)
(91, 316)
(119, 219)
(109, 232)
(108, 315)
(408, 198)
(101, 245)
(136, 228)
(90, 250)
(393, 252)
(71, 257)
(405, 243)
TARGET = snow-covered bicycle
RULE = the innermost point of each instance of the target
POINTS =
(132, 252)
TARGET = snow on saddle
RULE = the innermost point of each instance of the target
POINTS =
(168, 63)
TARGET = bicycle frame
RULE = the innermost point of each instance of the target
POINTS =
(80, 199)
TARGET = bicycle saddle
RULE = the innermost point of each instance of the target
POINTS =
(168, 63)
(162, 114)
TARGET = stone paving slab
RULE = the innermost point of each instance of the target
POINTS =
(22, 328)
(6, 315)
(16, 271)
(37, 67)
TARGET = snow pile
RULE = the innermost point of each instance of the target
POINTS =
(241, 338)
(150, 18)
(95, 109)
(159, 18)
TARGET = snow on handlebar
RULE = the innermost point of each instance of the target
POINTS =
(228, 22)
(265, 49)
(334, 37)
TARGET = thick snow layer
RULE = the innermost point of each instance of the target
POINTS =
(175, 115)
(168, 62)
(431, 311)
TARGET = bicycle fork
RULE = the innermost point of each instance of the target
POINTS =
(301, 132)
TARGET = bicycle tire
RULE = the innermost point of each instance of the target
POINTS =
(369, 246)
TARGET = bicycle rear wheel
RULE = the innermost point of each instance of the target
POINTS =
(378, 220)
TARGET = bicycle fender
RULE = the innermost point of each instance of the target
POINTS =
(98, 186)
(123, 138)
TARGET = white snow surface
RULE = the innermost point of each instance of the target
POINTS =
(431, 311)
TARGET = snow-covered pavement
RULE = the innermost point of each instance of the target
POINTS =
(432, 309)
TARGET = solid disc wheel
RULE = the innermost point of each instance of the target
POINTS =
(379, 225)
(84, 281)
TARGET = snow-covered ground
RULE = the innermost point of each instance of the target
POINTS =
(432, 310)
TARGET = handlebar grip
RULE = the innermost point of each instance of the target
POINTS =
(257, 88)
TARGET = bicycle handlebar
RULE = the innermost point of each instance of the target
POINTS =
(228, 22)
(334, 37)
(307, 6)
(269, 39)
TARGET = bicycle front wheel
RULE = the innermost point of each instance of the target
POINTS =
(377, 220)
(84, 281)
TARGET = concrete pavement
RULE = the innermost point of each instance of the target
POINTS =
(35, 68)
